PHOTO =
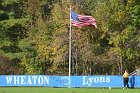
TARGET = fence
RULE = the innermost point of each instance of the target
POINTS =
(65, 81)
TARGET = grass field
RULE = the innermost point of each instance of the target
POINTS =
(64, 90)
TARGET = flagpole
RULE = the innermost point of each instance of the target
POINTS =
(70, 38)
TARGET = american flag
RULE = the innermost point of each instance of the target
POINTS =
(82, 20)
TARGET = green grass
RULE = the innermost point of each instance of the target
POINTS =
(64, 90)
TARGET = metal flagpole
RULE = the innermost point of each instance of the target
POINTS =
(70, 37)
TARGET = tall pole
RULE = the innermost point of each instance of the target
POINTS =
(70, 37)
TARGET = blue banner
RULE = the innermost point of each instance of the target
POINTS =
(65, 81)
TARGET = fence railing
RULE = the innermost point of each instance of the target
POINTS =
(136, 72)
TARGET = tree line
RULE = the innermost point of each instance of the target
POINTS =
(34, 37)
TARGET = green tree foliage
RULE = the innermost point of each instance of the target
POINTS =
(59, 25)
(34, 37)
(12, 30)
(36, 59)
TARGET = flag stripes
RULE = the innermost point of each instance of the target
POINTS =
(82, 20)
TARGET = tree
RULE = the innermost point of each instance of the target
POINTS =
(12, 31)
